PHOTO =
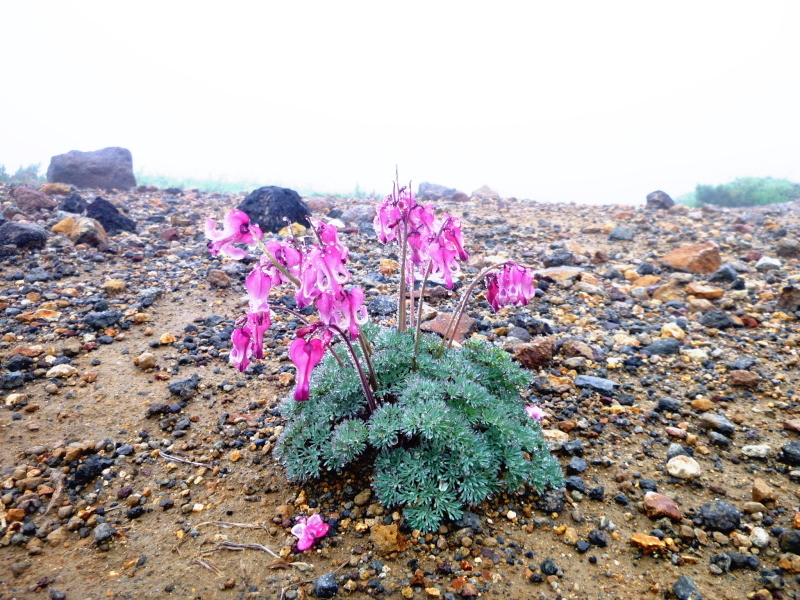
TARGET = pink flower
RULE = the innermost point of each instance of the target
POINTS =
(344, 310)
(236, 229)
(305, 356)
(534, 412)
(308, 530)
(259, 323)
(323, 271)
(258, 285)
(242, 341)
(512, 285)
(387, 217)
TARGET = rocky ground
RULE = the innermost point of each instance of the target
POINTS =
(136, 463)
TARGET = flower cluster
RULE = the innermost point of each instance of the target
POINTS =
(512, 285)
(431, 241)
(320, 277)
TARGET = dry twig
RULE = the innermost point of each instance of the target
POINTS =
(183, 460)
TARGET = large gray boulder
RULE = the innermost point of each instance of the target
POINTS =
(659, 200)
(107, 169)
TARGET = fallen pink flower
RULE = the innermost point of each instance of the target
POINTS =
(534, 412)
(308, 530)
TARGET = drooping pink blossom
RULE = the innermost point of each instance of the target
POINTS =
(235, 229)
(387, 217)
(512, 285)
(323, 271)
(242, 350)
(308, 530)
(346, 310)
(259, 322)
(305, 355)
(534, 412)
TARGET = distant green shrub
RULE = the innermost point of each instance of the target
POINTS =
(748, 191)
(23, 175)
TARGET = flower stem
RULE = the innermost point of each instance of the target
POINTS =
(367, 351)
(419, 312)
(373, 406)
(278, 265)
(452, 327)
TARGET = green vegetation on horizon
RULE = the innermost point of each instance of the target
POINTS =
(225, 186)
(23, 175)
(744, 191)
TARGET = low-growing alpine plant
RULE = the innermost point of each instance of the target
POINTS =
(446, 425)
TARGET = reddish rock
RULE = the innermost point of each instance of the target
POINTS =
(170, 235)
(535, 353)
(744, 378)
(792, 425)
(573, 348)
(31, 200)
(218, 279)
(752, 256)
(700, 258)
(440, 323)
(659, 505)
(707, 292)
(676, 432)
(648, 544)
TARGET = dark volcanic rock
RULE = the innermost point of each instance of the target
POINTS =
(269, 206)
(107, 169)
(326, 586)
(598, 384)
(665, 346)
(382, 305)
(622, 233)
(551, 502)
(788, 300)
(725, 274)
(73, 204)
(102, 320)
(789, 541)
(109, 217)
(719, 515)
(91, 468)
(185, 388)
(22, 235)
(685, 589)
(659, 200)
(716, 319)
(790, 453)
(432, 191)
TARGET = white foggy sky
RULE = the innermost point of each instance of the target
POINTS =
(596, 102)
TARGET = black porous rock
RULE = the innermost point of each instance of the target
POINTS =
(106, 169)
(73, 204)
(382, 306)
(598, 384)
(470, 520)
(664, 347)
(25, 236)
(102, 320)
(326, 586)
(91, 468)
(269, 206)
(790, 453)
(10, 381)
(685, 589)
(716, 319)
(549, 567)
(789, 541)
(719, 515)
(185, 388)
(109, 217)
(551, 502)
(725, 274)
(668, 404)
(659, 200)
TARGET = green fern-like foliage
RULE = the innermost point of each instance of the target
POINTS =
(449, 431)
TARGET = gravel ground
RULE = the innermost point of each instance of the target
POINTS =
(136, 463)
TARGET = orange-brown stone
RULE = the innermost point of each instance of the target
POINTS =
(700, 258)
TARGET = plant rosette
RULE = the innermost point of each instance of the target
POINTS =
(446, 426)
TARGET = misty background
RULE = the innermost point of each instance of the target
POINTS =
(582, 101)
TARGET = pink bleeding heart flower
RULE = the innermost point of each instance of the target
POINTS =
(329, 236)
(259, 323)
(534, 412)
(345, 310)
(235, 229)
(305, 356)
(242, 342)
(444, 264)
(451, 231)
(387, 218)
(287, 256)
(308, 530)
(512, 285)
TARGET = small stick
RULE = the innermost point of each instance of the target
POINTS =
(183, 460)
(235, 546)
(226, 524)
(205, 565)
(59, 478)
